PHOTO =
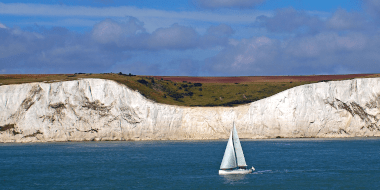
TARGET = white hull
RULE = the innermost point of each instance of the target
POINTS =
(237, 171)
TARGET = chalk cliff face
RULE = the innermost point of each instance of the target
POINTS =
(96, 109)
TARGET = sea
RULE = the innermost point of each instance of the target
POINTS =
(280, 164)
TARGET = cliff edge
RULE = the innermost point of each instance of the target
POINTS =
(97, 109)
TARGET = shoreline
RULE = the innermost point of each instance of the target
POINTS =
(205, 140)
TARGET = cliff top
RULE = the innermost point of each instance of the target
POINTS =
(193, 91)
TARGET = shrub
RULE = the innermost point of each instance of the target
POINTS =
(175, 95)
(142, 81)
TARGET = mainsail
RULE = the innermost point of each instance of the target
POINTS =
(229, 160)
(233, 156)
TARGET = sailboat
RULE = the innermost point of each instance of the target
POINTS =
(233, 160)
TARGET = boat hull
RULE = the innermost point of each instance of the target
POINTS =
(237, 171)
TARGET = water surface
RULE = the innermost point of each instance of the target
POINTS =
(279, 163)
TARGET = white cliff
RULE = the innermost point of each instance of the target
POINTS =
(96, 109)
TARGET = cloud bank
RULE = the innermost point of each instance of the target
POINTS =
(59, 50)
(287, 42)
(131, 35)
(345, 42)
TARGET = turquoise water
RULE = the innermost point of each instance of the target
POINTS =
(279, 163)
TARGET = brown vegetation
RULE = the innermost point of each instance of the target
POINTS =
(250, 79)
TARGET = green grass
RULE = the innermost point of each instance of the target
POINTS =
(175, 93)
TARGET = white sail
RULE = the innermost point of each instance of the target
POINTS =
(229, 160)
(238, 150)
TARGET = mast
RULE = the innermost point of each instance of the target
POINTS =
(238, 150)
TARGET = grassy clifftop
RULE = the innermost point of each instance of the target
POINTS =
(194, 91)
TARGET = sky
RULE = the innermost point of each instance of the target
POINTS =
(190, 37)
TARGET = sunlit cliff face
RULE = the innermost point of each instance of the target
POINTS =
(97, 109)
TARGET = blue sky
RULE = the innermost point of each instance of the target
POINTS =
(190, 37)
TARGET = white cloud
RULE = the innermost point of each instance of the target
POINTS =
(326, 43)
(131, 35)
(111, 31)
(325, 52)
(60, 50)
(54, 50)
(174, 37)
(343, 20)
(214, 4)
(2, 26)
(342, 42)
(77, 16)
(123, 11)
